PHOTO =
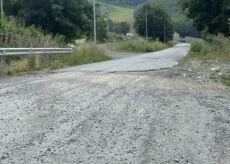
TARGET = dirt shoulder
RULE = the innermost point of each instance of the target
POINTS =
(211, 72)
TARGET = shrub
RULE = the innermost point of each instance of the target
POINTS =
(13, 34)
(213, 47)
(87, 53)
(141, 45)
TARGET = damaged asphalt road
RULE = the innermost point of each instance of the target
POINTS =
(77, 115)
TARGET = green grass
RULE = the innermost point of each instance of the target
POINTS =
(120, 14)
(226, 81)
(215, 47)
(117, 13)
(85, 54)
(140, 45)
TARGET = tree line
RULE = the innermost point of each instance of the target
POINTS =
(209, 17)
(74, 18)
(70, 18)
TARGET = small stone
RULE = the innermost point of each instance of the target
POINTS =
(176, 160)
(4, 156)
(215, 69)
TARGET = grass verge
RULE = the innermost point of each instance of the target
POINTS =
(226, 81)
(140, 45)
(213, 51)
(85, 54)
(213, 48)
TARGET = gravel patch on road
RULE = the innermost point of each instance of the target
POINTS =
(139, 117)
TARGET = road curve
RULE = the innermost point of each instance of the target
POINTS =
(154, 117)
(144, 62)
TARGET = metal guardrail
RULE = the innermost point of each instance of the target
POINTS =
(31, 51)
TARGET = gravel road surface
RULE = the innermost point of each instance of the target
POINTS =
(88, 115)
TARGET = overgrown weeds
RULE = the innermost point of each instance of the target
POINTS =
(226, 81)
(211, 52)
(141, 45)
(14, 34)
(213, 47)
(87, 53)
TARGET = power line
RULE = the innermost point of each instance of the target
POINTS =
(164, 30)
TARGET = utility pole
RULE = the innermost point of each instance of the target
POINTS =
(2, 12)
(94, 22)
(164, 30)
(229, 24)
(146, 24)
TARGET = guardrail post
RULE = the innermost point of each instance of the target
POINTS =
(1, 64)
(37, 60)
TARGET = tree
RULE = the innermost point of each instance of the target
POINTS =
(208, 15)
(8, 6)
(118, 27)
(229, 24)
(186, 29)
(71, 18)
(159, 21)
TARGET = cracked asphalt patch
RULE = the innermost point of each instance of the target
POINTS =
(130, 117)
(164, 59)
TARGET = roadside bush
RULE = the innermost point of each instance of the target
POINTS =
(213, 47)
(225, 81)
(87, 53)
(141, 45)
(14, 34)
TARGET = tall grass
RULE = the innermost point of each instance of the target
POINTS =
(226, 81)
(213, 47)
(140, 45)
(15, 34)
(87, 53)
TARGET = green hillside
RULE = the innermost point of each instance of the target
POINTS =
(171, 4)
(117, 13)
(122, 10)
